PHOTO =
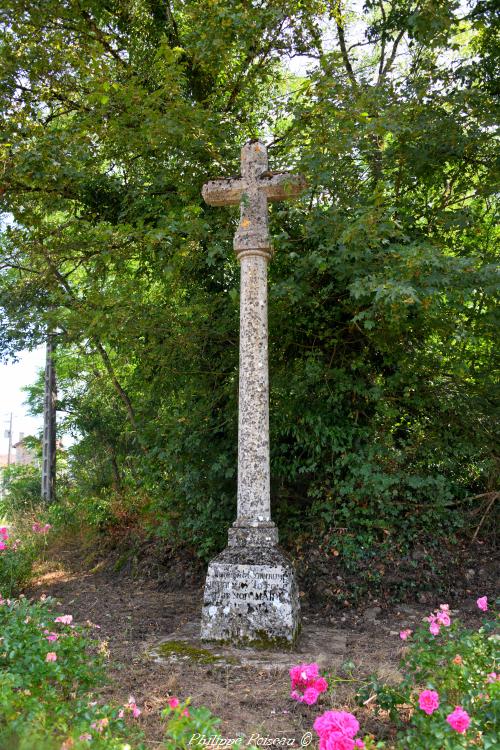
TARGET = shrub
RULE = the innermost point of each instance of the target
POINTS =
(450, 692)
(16, 560)
(48, 666)
(21, 485)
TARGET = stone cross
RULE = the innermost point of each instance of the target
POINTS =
(252, 245)
(250, 589)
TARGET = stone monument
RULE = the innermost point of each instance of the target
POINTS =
(250, 592)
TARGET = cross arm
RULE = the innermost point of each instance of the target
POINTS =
(279, 186)
(223, 192)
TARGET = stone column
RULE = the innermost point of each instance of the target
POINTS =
(250, 591)
(254, 503)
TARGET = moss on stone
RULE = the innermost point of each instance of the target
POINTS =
(263, 640)
(184, 649)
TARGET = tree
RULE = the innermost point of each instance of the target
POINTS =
(381, 287)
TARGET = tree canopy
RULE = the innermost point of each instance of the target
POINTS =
(382, 286)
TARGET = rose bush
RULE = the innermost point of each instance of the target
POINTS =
(450, 695)
(48, 669)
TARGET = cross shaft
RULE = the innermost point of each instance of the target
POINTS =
(252, 244)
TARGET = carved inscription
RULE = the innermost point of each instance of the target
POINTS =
(256, 589)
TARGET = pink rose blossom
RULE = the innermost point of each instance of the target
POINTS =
(482, 603)
(185, 712)
(336, 721)
(132, 706)
(301, 674)
(305, 679)
(443, 618)
(434, 628)
(428, 701)
(321, 685)
(404, 634)
(65, 619)
(492, 677)
(359, 743)
(4, 531)
(336, 741)
(444, 607)
(51, 656)
(2, 545)
(173, 702)
(310, 696)
(459, 720)
(52, 637)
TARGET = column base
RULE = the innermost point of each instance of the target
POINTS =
(260, 534)
(251, 596)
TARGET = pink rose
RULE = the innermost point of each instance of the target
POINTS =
(52, 637)
(65, 619)
(359, 743)
(51, 656)
(444, 607)
(4, 532)
(132, 706)
(336, 741)
(2, 545)
(306, 677)
(443, 618)
(404, 634)
(302, 674)
(428, 701)
(310, 696)
(321, 685)
(185, 712)
(492, 677)
(482, 603)
(459, 720)
(336, 721)
(434, 628)
(173, 702)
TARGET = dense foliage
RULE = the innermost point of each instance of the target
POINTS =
(381, 287)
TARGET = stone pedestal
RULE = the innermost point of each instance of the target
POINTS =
(251, 598)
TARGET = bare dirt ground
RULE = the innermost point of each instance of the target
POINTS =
(134, 611)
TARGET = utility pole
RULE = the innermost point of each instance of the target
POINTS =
(49, 427)
(10, 442)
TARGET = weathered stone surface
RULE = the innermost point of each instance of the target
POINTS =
(251, 597)
(250, 592)
(318, 643)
